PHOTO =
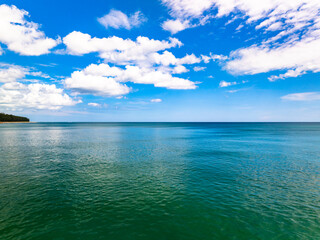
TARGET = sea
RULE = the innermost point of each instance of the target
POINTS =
(197, 181)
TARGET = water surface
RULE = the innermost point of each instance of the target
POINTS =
(160, 181)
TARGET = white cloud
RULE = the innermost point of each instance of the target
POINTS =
(108, 81)
(167, 58)
(290, 73)
(293, 27)
(213, 57)
(180, 69)
(143, 52)
(144, 61)
(157, 78)
(185, 12)
(20, 35)
(47, 65)
(272, 14)
(233, 91)
(115, 49)
(188, 8)
(307, 96)
(79, 43)
(275, 14)
(297, 58)
(175, 26)
(216, 57)
(198, 69)
(157, 100)
(11, 73)
(39, 74)
(84, 82)
(94, 104)
(121, 97)
(117, 19)
(16, 95)
(226, 84)
(291, 43)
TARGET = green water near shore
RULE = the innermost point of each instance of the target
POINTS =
(159, 181)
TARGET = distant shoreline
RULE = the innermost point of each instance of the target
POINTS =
(15, 122)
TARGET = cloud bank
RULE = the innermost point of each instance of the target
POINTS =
(293, 29)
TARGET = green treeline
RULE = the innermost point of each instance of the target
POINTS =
(11, 118)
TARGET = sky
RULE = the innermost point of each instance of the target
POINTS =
(160, 60)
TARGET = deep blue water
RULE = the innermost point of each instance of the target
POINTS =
(160, 181)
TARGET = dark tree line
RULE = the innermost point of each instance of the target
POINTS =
(11, 118)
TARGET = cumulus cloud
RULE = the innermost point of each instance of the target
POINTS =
(179, 69)
(109, 81)
(11, 73)
(175, 26)
(156, 100)
(158, 78)
(117, 19)
(97, 83)
(20, 35)
(167, 58)
(226, 84)
(307, 96)
(115, 49)
(16, 95)
(143, 52)
(144, 61)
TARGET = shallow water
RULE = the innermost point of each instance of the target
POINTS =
(160, 181)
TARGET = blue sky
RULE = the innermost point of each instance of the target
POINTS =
(161, 60)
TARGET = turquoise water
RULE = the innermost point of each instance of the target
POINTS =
(159, 181)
